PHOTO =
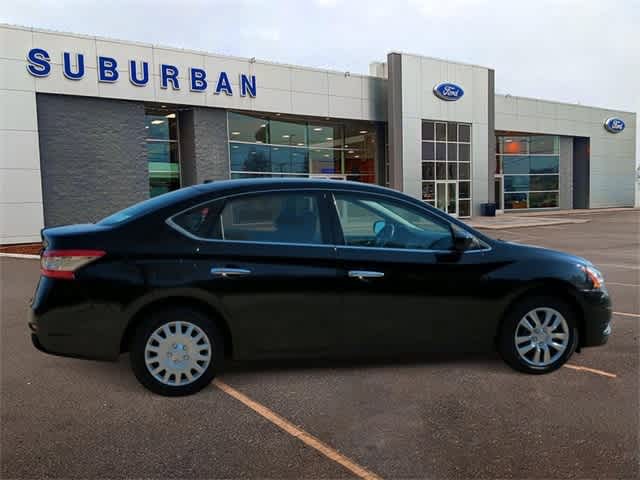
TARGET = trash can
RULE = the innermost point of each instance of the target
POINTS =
(488, 209)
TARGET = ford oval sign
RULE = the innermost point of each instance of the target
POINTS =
(614, 125)
(448, 91)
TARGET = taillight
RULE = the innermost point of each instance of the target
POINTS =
(64, 263)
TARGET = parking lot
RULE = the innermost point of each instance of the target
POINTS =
(463, 416)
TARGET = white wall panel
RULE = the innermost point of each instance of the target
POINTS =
(14, 76)
(18, 110)
(20, 223)
(19, 150)
(56, 44)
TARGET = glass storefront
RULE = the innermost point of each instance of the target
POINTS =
(163, 155)
(529, 168)
(446, 166)
(277, 146)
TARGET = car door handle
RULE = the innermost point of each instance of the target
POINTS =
(230, 272)
(362, 274)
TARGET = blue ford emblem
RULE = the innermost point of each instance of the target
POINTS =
(448, 91)
(614, 125)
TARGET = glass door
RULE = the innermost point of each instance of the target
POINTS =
(447, 196)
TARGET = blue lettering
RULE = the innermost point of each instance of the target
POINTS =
(39, 65)
(169, 73)
(247, 85)
(67, 67)
(107, 69)
(224, 84)
(133, 73)
(198, 82)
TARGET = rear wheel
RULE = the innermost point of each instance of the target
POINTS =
(538, 335)
(176, 351)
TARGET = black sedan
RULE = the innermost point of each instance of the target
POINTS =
(280, 267)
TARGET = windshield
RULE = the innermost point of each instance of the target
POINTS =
(147, 206)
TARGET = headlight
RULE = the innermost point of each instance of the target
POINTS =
(594, 276)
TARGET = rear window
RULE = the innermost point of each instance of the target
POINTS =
(148, 206)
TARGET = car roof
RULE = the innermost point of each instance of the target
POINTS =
(274, 183)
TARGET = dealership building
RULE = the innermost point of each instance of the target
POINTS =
(90, 125)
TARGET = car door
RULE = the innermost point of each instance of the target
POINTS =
(408, 290)
(268, 259)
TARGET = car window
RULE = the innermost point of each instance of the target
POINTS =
(147, 206)
(291, 217)
(371, 221)
(281, 217)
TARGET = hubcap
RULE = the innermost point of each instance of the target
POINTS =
(177, 353)
(542, 336)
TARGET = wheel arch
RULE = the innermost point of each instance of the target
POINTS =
(142, 309)
(553, 288)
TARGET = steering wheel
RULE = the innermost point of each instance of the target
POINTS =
(385, 235)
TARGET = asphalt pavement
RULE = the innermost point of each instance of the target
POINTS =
(436, 416)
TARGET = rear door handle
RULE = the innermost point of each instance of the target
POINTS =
(362, 274)
(230, 272)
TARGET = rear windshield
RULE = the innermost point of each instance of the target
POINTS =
(147, 206)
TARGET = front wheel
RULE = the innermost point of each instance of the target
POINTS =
(176, 351)
(538, 335)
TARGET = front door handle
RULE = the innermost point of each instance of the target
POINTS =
(362, 274)
(230, 272)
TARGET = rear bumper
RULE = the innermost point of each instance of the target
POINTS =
(597, 319)
(85, 331)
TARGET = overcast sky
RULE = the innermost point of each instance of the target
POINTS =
(583, 51)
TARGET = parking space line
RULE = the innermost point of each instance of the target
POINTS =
(617, 265)
(636, 285)
(591, 370)
(624, 314)
(297, 432)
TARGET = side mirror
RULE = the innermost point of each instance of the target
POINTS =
(378, 226)
(462, 240)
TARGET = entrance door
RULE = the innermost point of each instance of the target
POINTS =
(447, 196)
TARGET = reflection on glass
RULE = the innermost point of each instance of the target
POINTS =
(428, 191)
(441, 171)
(515, 201)
(428, 170)
(464, 133)
(544, 164)
(325, 161)
(513, 145)
(441, 131)
(428, 131)
(452, 198)
(464, 171)
(452, 170)
(245, 128)
(288, 133)
(452, 152)
(428, 151)
(465, 189)
(441, 151)
(543, 182)
(543, 200)
(161, 126)
(541, 144)
(464, 208)
(452, 132)
(464, 152)
(516, 183)
(513, 165)
(325, 136)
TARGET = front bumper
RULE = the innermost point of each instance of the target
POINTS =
(597, 318)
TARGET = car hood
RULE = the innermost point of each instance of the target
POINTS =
(535, 252)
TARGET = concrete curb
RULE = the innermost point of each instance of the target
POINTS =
(20, 255)
(545, 223)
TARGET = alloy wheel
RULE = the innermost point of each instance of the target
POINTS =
(542, 337)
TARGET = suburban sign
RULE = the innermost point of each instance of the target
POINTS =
(448, 91)
(108, 71)
(614, 124)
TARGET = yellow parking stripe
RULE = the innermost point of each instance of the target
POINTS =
(591, 370)
(297, 432)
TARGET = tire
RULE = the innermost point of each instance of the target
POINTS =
(518, 343)
(184, 363)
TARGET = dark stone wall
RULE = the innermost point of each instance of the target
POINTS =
(92, 157)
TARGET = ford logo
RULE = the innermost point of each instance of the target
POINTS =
(448, 91)
(614, 125)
